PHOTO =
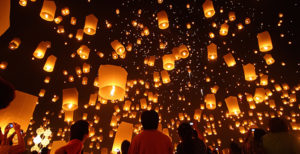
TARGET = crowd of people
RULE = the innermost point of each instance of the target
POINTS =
(279, 140)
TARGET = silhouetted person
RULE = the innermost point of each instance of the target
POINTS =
(125, 147)
(6, 147)
(150, 141)
(280, 140)
(235, 148)
(7, 93)
(45, 150)
(79, 134)
(190, 144)
(34, 152)
(253, 142)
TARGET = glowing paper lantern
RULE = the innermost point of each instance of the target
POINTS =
(229, 60)
(232, 105)
(114, 121)
(197, 114)
(143, 103)
(249, 72)
(86, 68)
(124, 132)
(156, 77)
(183, 51)
(264, 41)
(165, 76)
(127, 105)
(151, 61)
(214, 89)
(263, 80)
(70, 99)
(58, 19)
(40, 51)
(112, 82)
(118, 47)
(83, 52)
(93, 99)
(168, 62)
(231, 16)
(224, 29)
(269, 59)
(79, 34)
(73, 21)
(210, 101)
(163, 21)
(176, 54)
(14, 43)
(50, 63)
(69, 116)
(48, 10)
(5, 16)
(90, 25)
(212, 51)
(208, 8)
(259, 95)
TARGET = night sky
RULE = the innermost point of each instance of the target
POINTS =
(27, 74)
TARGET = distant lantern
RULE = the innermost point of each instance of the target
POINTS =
(168, 62)
(163, 21)
(247, 21)
(118, 47)
(183, 51)
(48, 10)
(73, 21)
(23, 2)
(208, 8)
(232, 105)
(40, 51)
(264, 41)
(146, 31)
(86, 68)
(210, 101)
(156, 76)
(214, 89)
(50, 63)
(212, 51)
(176, 53)
(197, 114)
(165, 76)
(259, 95)
(93, 99)
(143, 103)
(249, 72)
(58, 19)
(129, 47)
(224, 29)
(14, 43)
(90, 25)
(65, 11)
(69, 116)
(231, 16)
(151, 61)
(79, 34)
(269, 59)
(83, 52)
(127, 105)
(112, 82)
(264, 80)
(229, 60)
(70, 99)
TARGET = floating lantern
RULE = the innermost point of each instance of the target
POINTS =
(65, 11)
(197, 114)
(84, 80)
(224, 29)
(208, 8)
(70, 99)
(252, 105)
(264, 41)
(86, 68)
(269, 59)
(249, 72)
(259, 95)
(93, 99)
(129, 47)
(124, 132)
(146, 31)
(232, 105)
(48, 10)
(69, 116)
(14, 43)
(79, 34)
(143, 103)
(156, 77)
(263, 80)
(247, 21)
(23, 2)
(58, 19)
(168, 62)
(231, 16)
(229, 60)
(176, 53)
(210, 101)
(151, 61)
(83, 52)
(118, 47)
(163, 21)
(127, 105)
(214, 89)
(183, 51)
(165, 76)
(50, 63)
(90, 25)
(112, 82)
(212, 51)
(40, 51)
(73, 21)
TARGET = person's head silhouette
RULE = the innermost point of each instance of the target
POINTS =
(7, 93)
(80, 130)
(125, 146)
(149, 120)
(185, 131)
(278, 125)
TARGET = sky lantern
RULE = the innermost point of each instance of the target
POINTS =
(86, 68)
(112, 82)
(127, 105)
(69, 116)
(65, 11)
(118, 47)
(73, 21)
(197, 114)
(264, 41)
(263, 80)
(229, 60)
(70, 99)
(93, 99)
(269, 59)
(14, 43)
(79, 34)
(143, 103)
(58, 19)
(151, 61)
(210, 101)
(208, 8)
(90, 25)
(83, 51)
(48, 10)
(124, 132)
(252, 105)
(183, 51)
(232, 105)
(156, 77)
(224, 29)
(259, 95)
(212, 51)
(50, 63)
(168, 62)
(249, 72)
(40, 51)
(214, 89)
(231, 16)
(165, 76)
(176, 53)
(146, 31)
(163, 21)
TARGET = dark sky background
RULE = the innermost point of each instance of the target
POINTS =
(27, 75)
